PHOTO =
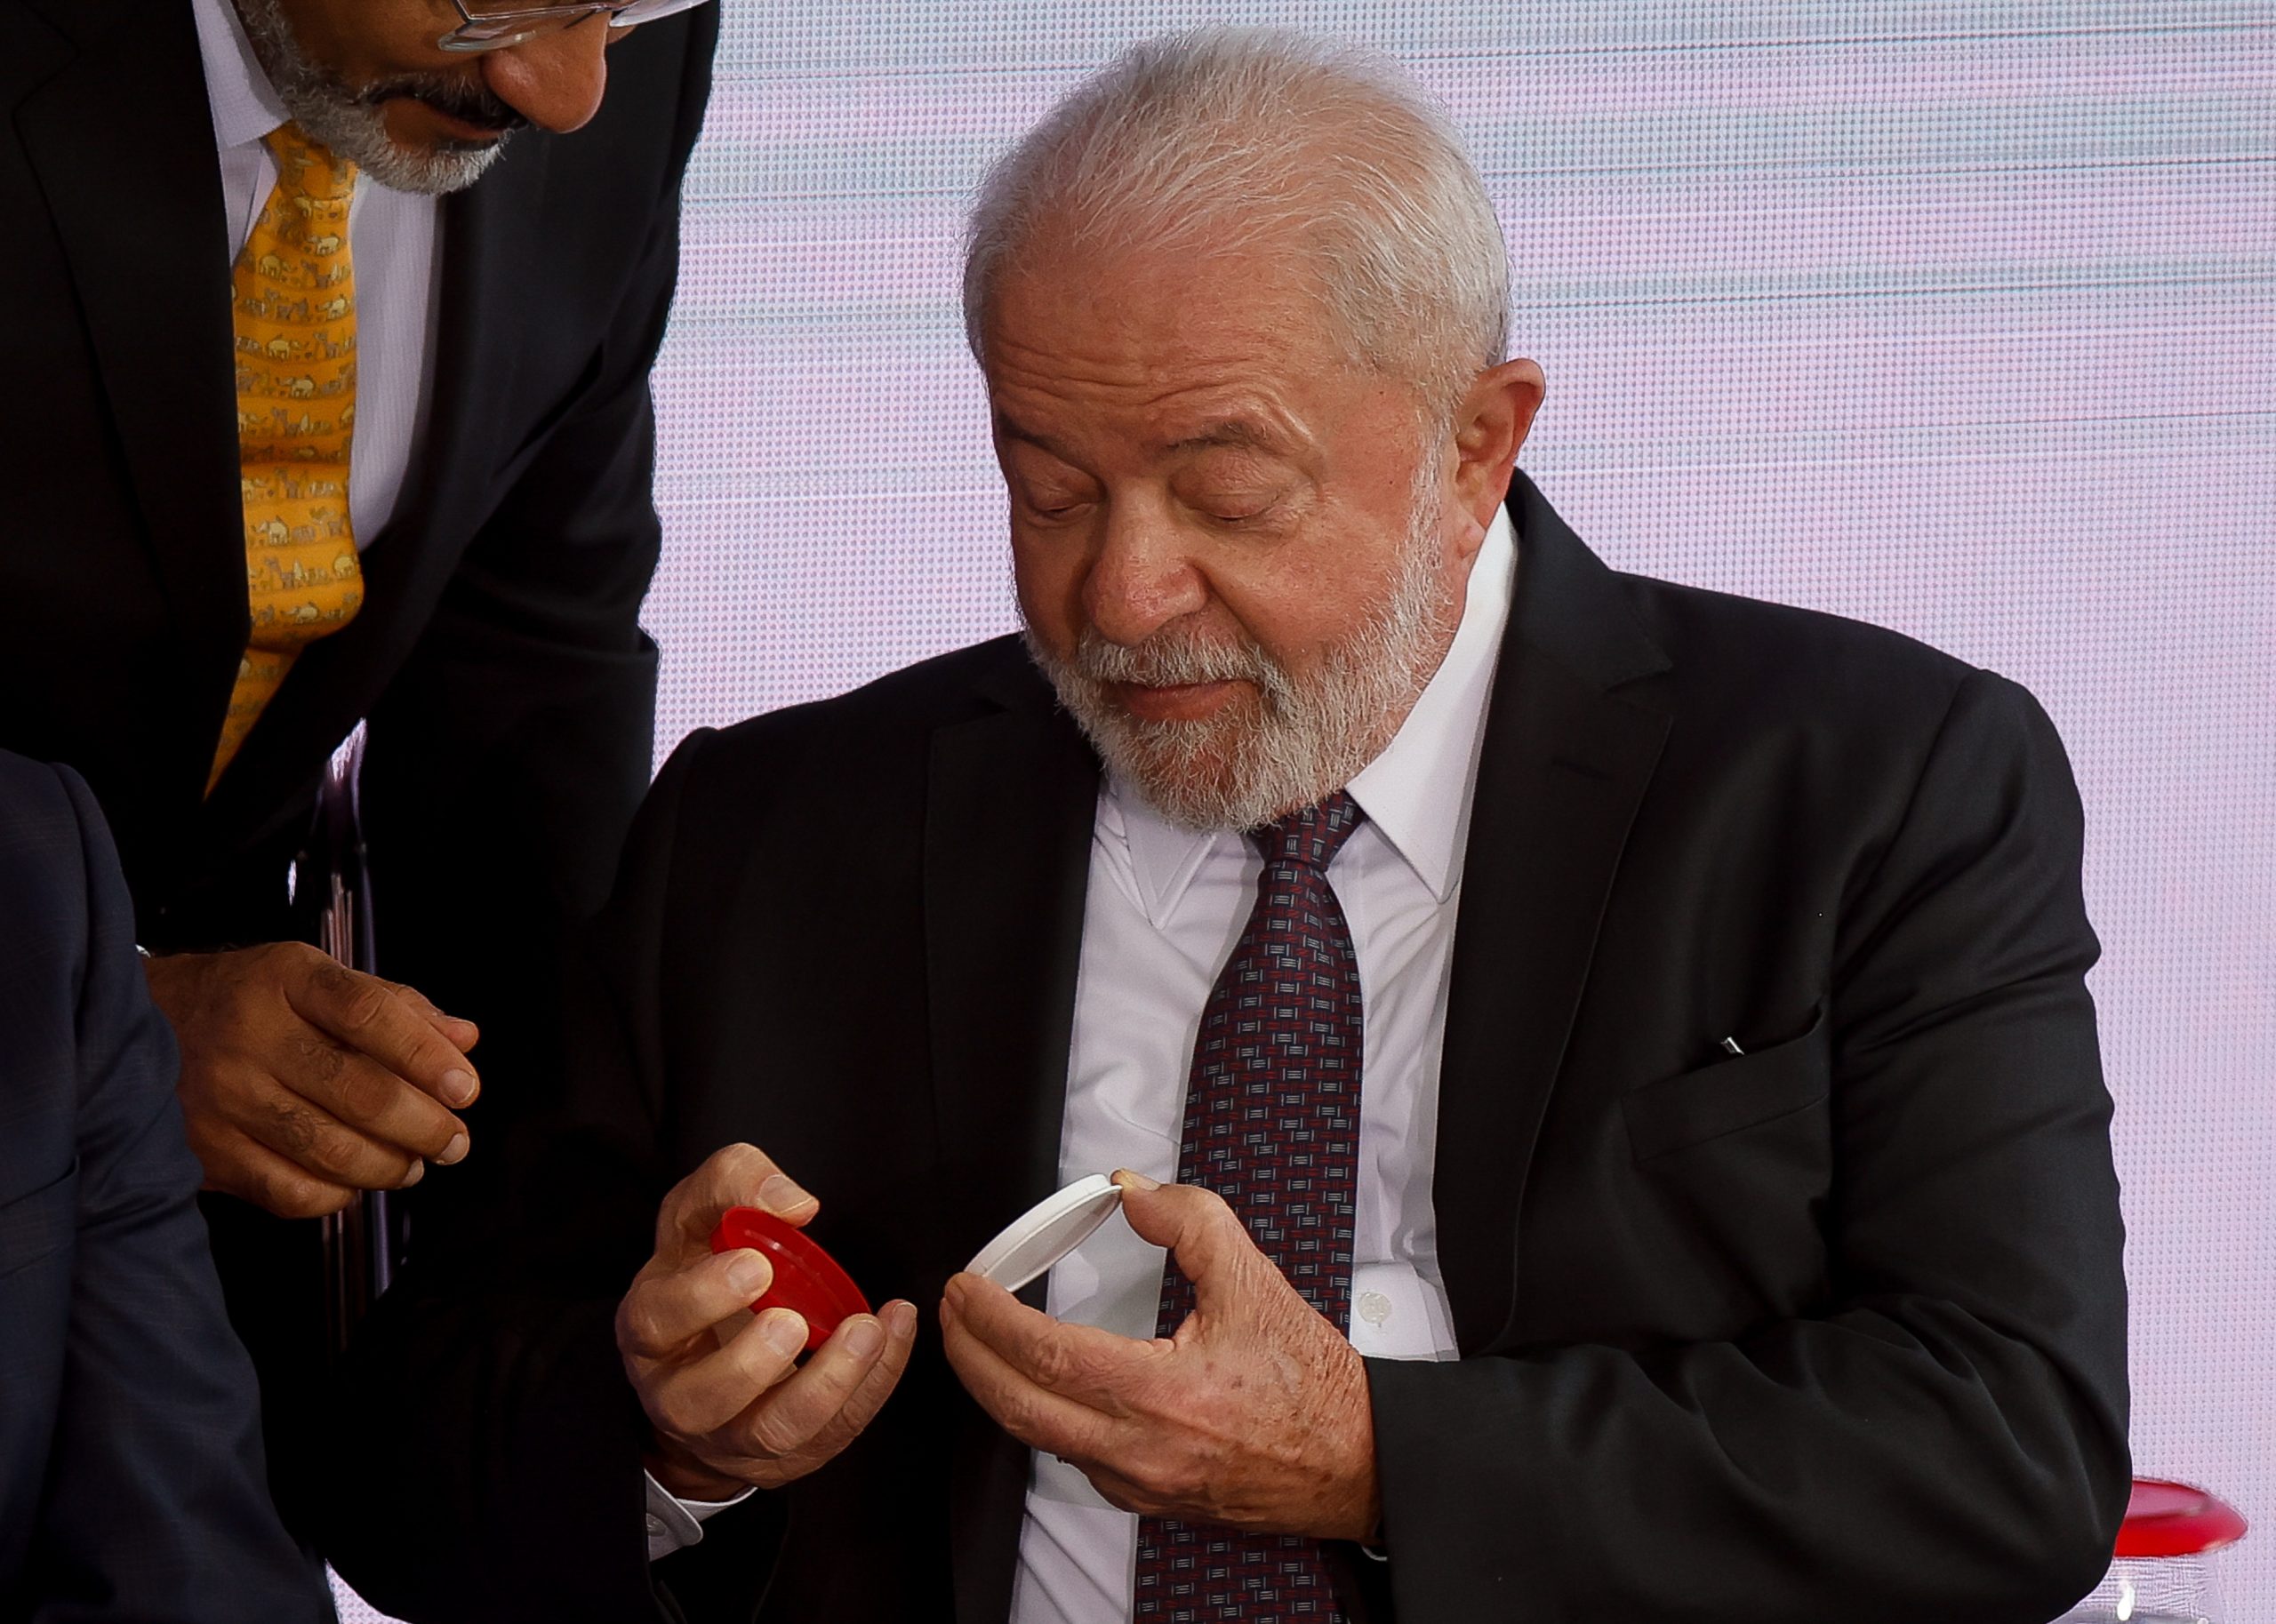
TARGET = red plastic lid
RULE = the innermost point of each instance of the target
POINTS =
(806, 1278)
(2172, 1519)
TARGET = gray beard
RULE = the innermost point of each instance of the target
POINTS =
(351, 124)
(1306, 738)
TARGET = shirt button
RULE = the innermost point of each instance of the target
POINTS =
(655, 1526)
(1374, 1307)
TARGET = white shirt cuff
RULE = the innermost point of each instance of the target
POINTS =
(1396, 1314)
(674, 1524)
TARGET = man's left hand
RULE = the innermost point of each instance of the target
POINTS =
(1255, 1415)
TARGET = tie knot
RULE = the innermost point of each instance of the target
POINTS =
(306, 168)
(1311, 837)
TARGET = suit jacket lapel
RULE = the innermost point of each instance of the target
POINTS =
(491, 240)
(491, 277)
(1567, 760)
(1010, 797)
(122, 141)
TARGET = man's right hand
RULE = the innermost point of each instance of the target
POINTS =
(730, 1407)
(303, 1081)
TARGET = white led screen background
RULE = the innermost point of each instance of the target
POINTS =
(1956, 318)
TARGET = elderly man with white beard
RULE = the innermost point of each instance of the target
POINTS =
(1605, 1104)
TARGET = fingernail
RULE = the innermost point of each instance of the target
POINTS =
(781, 1193)
(456, 1151)
(1132, 1181)
(750, 1273)
(459, 1086)
(901, 1318)
(418, 1171)
(863, 1337)
(783, 1330)
(952, 1294)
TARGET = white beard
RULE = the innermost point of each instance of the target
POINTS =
(347, 125)
(1302, 740)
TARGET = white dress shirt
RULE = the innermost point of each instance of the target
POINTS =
(1164, 909)
(395, 237)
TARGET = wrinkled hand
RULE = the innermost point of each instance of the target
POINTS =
(1255, 1415)
(729, 1405)
(303, 1081)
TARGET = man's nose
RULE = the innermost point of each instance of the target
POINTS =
(1143, 579)
(555, 80)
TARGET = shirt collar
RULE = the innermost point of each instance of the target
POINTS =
(1417, 793)
(245, 104)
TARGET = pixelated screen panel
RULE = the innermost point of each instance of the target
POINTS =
(1954, 318)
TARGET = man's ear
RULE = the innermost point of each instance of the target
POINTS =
(1490, 424)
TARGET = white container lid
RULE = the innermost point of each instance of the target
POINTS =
(1047, 1231)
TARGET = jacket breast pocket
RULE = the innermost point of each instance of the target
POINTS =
(40, 1223)
(1729, 1096)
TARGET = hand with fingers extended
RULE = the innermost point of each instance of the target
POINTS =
(730, 1405)
(303, 1081)
(1255, 1415)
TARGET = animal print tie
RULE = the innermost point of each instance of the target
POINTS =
(1271, 1125)
(294, 293)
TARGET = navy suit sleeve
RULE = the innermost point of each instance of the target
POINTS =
(1948, 1440)
(155, 1505)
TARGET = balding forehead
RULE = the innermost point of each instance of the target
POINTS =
(1234, 431)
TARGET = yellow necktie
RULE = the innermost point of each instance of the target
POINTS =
(294, 289)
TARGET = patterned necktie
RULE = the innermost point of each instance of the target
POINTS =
(1271, 1125)
(294, 296)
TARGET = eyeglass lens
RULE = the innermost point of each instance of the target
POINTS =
(489, 23)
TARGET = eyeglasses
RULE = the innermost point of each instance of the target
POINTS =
(492, 30)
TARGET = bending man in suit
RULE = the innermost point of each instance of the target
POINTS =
(341, 342)
(1720, 1222)
(130, 1470)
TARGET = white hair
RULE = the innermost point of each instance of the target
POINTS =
(1232, 138)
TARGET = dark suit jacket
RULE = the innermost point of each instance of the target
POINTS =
(497, 655)
(130, 1482)
(1832, 1331)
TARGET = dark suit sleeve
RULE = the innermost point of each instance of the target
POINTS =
(502, 1440)
(511, 750)
(157, 1506)
(1948, 1440)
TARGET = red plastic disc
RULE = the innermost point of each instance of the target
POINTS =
(806, 1278)
(2172, 1519)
